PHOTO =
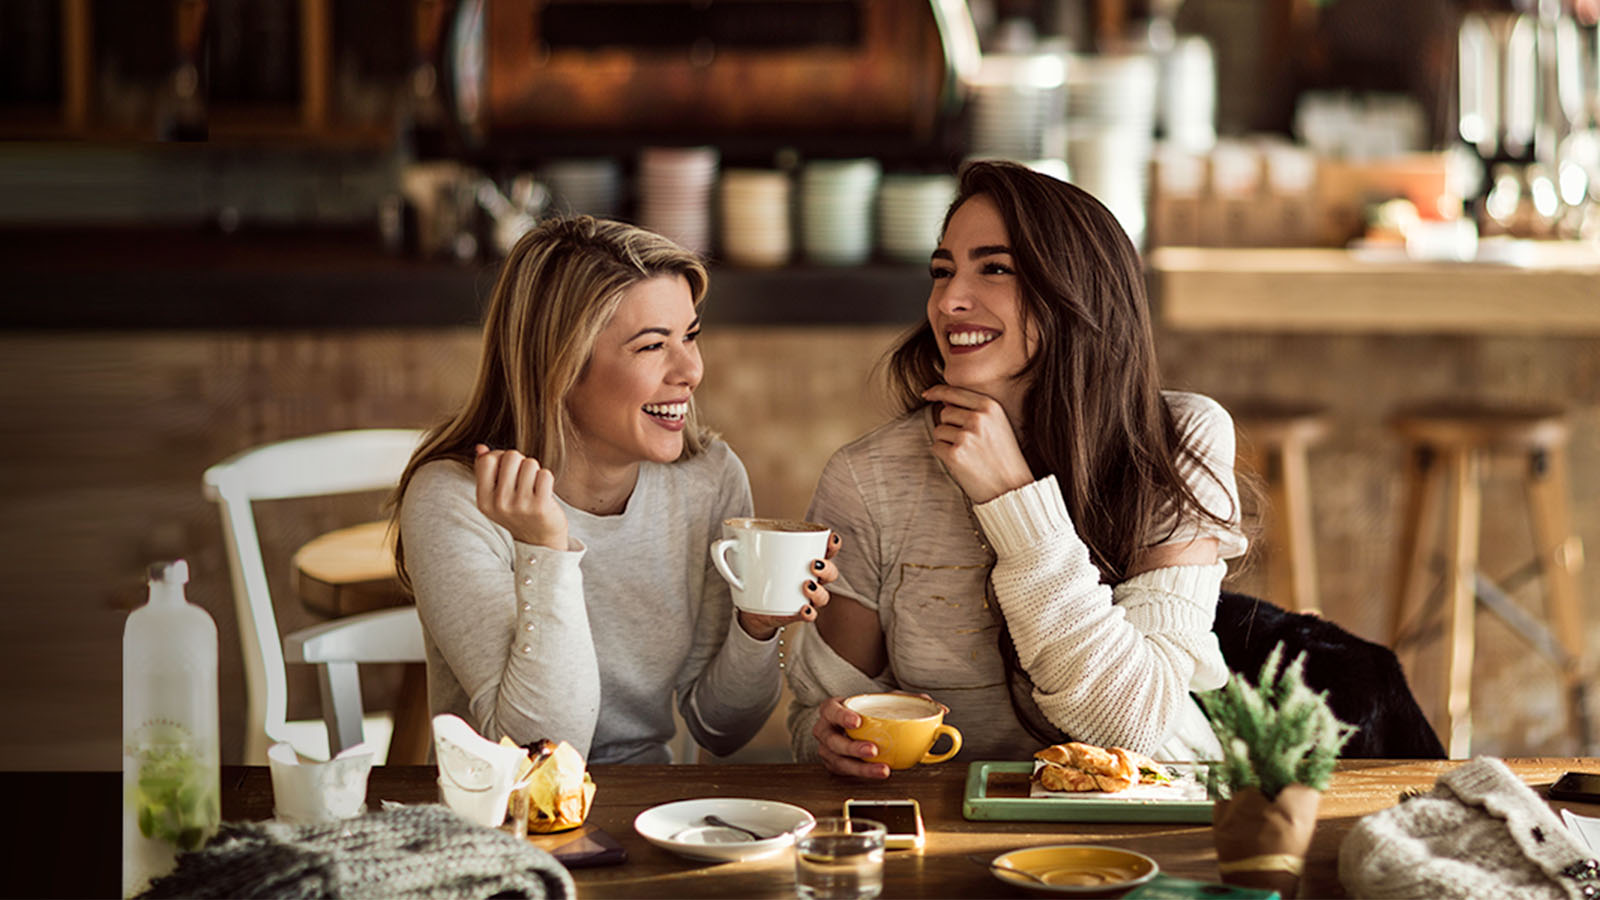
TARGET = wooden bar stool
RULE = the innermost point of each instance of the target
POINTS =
(1275, 438)
(1447, 449)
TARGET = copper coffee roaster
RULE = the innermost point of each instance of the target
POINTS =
(698, 67)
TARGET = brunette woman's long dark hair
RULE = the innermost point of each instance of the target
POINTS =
(1095, 415)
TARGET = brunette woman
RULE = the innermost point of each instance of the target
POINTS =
(1038, 542)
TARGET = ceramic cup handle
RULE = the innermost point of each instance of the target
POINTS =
(719, 558)
(955, 746)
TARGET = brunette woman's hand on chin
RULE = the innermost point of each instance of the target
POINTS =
(975, 441)
(517, 493)
(822, 572)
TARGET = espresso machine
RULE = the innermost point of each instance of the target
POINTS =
(1528, 107)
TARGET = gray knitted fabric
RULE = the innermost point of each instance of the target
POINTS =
(407, 851)
(1480, 833)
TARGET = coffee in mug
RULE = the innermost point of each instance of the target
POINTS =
(768, 561)
(903, 727)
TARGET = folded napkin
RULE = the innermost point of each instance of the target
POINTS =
(406, 851)
(1480, 833)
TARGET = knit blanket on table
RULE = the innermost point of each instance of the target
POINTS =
(406, 851)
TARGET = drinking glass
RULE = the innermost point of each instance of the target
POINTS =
(839, 859)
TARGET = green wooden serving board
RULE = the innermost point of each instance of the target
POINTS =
(978, 805)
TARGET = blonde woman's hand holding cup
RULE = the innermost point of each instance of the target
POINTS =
(763, 626)
(518, 494)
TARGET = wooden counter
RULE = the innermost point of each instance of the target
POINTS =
(1556, 290)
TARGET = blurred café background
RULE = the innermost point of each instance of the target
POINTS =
(229, 222)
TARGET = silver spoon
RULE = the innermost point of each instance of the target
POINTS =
(1007, 867)
(724, 823)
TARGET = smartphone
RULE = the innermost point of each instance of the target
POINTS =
(903, 818)
(1583, 787)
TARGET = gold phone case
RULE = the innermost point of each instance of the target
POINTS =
(894, 840)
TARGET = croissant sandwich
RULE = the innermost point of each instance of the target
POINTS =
(1077, 767)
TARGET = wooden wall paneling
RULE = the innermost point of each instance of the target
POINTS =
(77, 64)
(105, 436)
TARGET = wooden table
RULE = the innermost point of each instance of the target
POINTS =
(351, 571)
(943, 868)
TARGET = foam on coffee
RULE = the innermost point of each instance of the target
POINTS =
(890, 707)
(794, 525)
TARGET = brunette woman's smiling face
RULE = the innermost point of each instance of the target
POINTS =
(975, 305)
(630, 404)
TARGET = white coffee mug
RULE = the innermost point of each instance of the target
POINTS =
(771, 562)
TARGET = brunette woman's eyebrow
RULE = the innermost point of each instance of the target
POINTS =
(942, 253)
(989, 250)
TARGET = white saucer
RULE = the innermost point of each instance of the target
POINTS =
(681, 828)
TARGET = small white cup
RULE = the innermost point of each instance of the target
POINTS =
(476, 775)
(771, 562)
(306, 790)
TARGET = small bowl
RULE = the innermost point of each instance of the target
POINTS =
(1081, 869)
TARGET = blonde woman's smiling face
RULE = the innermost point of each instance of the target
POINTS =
(975, 304)
(630, 404)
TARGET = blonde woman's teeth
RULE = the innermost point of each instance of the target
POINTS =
(667, 410)
(971, 338)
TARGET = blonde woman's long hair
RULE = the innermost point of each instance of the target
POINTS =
(559, 287)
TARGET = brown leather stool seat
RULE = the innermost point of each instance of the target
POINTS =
(1447, 449)
(1274, 439)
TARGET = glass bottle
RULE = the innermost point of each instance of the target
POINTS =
(171, 778)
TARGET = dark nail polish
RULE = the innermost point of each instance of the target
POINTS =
(808, 611)
(810, 585)
(834, 539)
(817, 564)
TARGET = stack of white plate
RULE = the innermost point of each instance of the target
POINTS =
(1110, 126)
(591, 186)
(1017, 106)
(755, 217)
(675, 185)
(1188, 95)
(910, 210)
(836, 197)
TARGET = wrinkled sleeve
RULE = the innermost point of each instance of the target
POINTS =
(508, 618)
(815, 671)
(730, 683)
(1209, 431)
(1109, 666)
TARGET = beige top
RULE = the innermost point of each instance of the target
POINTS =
(1111, 666)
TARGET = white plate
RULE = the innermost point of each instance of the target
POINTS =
(680, 827)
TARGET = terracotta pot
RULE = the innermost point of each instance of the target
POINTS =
(1262, 843)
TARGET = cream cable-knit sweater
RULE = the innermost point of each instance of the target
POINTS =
(1109, 665)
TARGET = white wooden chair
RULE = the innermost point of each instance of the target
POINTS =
(338, 462)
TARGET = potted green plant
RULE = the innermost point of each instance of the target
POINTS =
(1280, 742)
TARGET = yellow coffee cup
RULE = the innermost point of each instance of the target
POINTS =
(903, 727)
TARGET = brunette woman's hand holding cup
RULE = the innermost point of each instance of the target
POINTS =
(841, 753)
(975, 441)
(517, 493)
(761, 627)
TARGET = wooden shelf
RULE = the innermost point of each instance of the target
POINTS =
(1555, 289)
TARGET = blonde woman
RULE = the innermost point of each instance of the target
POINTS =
(556, 530)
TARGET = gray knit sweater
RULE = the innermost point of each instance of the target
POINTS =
(408, 851)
